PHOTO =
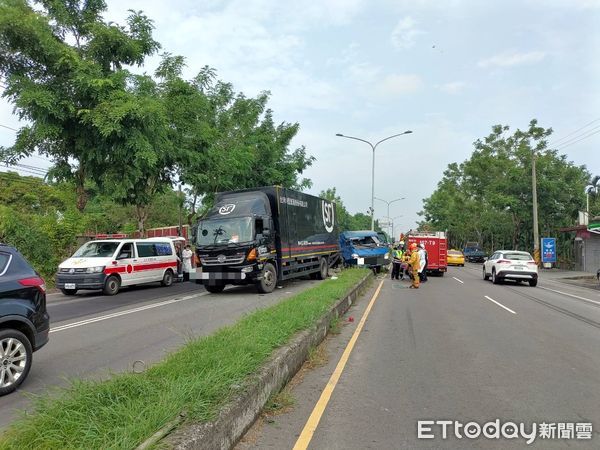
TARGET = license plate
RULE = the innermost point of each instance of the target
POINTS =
(518, 267)
(70, 286)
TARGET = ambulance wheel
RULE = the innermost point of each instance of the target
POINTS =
(268, 279)
(69, 291)
(167, 278)
(111, 285)
(323, 269)
(214, 288)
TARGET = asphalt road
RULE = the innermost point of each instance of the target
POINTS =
(453, 350)
(92, 335)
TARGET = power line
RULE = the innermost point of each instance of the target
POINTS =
(10, 128)
(572, 133)
(582, 139)
(589, 132)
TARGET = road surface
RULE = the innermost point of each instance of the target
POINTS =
(92, 335)
(458, 349)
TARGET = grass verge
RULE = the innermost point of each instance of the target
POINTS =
(122, 412)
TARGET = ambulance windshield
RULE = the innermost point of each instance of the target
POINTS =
(97, 250)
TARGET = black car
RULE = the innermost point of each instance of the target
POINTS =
(24, 321)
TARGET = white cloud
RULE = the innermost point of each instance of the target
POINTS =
(509, 59)
(453, 87)
(399, 84)
(405, 33)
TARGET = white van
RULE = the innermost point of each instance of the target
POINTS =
(112, 263)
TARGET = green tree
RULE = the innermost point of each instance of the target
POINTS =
(488, 197)
(63, 66)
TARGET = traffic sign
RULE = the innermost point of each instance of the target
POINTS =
(548, 250)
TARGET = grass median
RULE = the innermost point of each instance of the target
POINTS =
(198, 379)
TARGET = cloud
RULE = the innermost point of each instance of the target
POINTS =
(452, 88)
(399, 84)
(509, 59)
(405, 33)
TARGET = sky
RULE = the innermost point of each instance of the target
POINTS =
(447, 70)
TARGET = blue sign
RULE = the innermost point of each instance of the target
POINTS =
(548, 250)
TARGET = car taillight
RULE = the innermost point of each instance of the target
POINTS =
(37, 282)
(503, 261)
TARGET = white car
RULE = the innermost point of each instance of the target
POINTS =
(511, 265)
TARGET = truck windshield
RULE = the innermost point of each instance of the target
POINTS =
(365, 241)
(225, 231)
(97, 250)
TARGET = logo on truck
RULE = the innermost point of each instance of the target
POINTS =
(226, 209)
(328, 215)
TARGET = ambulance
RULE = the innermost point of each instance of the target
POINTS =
(109, 264)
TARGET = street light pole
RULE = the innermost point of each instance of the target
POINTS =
(388, 205)
(373, 147)
(393, 222)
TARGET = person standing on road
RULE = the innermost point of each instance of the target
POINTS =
(396, 262)
(423, 259)
(187, 262)
(415, 263)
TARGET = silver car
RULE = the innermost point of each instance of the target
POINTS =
(511, 265)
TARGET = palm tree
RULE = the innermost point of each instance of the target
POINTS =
(593, 188)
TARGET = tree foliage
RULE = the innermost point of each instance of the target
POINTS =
(488, 198)
(64, 71)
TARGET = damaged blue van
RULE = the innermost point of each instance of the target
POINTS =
(364, 249)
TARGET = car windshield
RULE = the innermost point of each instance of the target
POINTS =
(97, 250)
(225, 231)
(518, 256)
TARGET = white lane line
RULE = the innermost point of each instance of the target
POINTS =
(460, 281)
(500, 304)
(571, 295)
(121, 313)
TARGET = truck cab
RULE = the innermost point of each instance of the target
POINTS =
(364, 249)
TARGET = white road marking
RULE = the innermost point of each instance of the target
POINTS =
(500, 304)
(572, 295)
(460, 281)
(122, 313)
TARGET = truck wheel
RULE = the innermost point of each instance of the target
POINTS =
(111, 285)
(378, 269)
(268, 279)
(167, 278)
(15, 360)
(69, 291)
(323, 269)
(214, 288)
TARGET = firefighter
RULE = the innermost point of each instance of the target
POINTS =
(415, 264)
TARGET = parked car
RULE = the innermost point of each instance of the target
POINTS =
(473, 253)
(111, 264)
(511, 265)
(24, 321)
(456, 258)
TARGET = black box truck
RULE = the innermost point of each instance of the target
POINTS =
(264, 235)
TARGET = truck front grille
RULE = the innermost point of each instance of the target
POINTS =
(222, 259)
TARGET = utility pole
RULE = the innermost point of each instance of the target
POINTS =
(536, 232)
(180, 230)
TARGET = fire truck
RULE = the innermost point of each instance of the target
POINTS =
(436, 244)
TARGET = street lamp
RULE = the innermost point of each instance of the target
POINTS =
(388, 205)
(373, 167)
(392, 219)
